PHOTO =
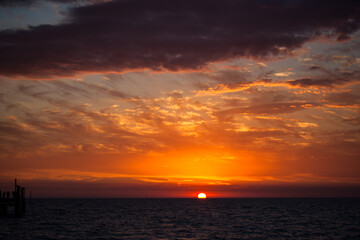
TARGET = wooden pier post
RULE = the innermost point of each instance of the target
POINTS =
(23, 208)
(2, 204)
(17, 201)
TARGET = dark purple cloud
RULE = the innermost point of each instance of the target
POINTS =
(172, 35)
(11, 3)
(310, 82)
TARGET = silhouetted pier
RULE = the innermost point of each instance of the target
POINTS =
(15, 200)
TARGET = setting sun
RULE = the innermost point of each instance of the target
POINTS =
(201, 195)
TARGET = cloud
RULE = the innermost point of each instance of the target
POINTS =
(344, 98)
(267, 109)
(88, 126)
(11, 3)
(309, 82)
(173, 35)
(130, 187)
(231, 78)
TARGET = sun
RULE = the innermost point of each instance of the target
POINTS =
(201, 195)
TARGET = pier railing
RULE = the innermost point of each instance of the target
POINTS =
(14, 199)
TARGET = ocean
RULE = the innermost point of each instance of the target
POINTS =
(185, 219)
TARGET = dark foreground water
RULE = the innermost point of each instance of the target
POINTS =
(186, 219)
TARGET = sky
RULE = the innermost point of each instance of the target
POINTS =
(138, 98)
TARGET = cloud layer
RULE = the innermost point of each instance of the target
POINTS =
(242, 124)
(171, 35)
(11, 3)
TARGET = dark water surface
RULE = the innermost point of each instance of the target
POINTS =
(186, 219)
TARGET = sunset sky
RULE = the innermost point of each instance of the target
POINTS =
(169, 98)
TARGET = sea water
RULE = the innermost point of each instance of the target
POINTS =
(185, 219)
